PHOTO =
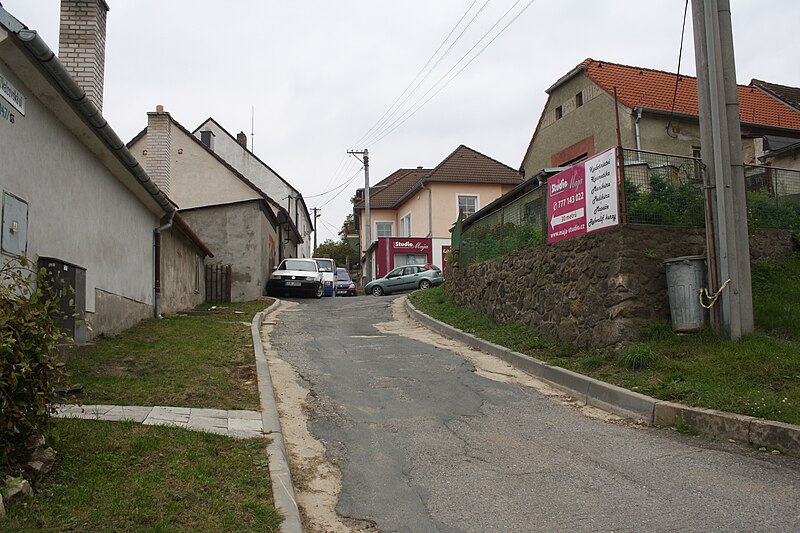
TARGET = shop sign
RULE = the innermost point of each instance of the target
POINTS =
(583, 198)
(411, 246)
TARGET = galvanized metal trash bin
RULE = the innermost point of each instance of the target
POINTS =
(685, 277)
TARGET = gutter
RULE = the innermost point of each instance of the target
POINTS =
(638, 133)
(78, 100)
(157, 265)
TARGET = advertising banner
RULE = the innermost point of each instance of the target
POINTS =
(583, 198)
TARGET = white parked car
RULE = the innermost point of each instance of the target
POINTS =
(328, 268)
(296, 276)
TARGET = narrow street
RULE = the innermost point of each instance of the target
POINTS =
(423, 434)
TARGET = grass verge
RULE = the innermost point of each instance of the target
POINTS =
(203, 360)
(757, 376)
(123, 476)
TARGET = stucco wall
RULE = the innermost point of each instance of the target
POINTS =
(79, 212)
(595, 291)
(239, 236)
(198, 179)
(595, 118)
(264, 178)
(182, 273)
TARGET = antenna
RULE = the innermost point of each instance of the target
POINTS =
(252, 129)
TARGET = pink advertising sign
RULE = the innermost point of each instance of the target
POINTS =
(583, 198)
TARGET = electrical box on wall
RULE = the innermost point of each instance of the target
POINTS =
(15, 225)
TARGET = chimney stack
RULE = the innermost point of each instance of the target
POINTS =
(82, 45)
(241, 137)
(159, 148)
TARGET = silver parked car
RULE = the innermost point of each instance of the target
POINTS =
(406, 278)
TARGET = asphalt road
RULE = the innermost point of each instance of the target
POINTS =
(426, 444)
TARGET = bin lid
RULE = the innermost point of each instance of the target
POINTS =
(685, 258)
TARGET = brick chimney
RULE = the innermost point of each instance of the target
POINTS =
(241, 138)
(82, 45)
(159, 148)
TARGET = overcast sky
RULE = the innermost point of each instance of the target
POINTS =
(320, 74)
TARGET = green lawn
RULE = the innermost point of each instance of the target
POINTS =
(185, 361)
(123, 476)
(757, 376)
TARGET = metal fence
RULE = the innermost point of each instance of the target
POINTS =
(516, 225)
(660, 189)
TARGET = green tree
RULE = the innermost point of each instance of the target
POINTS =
(338, 251)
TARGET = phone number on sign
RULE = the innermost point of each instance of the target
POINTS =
(569, 200)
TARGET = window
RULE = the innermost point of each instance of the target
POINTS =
(467, 205)
(405, 226)
(559, 112)
(383, 229)
(579, 99)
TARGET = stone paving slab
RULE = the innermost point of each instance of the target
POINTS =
(234, 423)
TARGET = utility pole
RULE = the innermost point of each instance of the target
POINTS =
(367, 224)
(316, 216)
(727, 241)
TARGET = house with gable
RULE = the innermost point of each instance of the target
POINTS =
(776, 151)
(236, 153)
(412, 210)
(657, 112)
(246, 228)
(73, 196)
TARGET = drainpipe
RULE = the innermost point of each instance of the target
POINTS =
(157, 258)
(430, 211)
(638, 135)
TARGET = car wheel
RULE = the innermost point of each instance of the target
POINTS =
(377, 290)
(424, 284)
(320, 291)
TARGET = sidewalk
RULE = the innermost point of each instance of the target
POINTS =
(239, 423)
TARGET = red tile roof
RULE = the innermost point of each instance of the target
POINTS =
(463, 165)
(654, 89)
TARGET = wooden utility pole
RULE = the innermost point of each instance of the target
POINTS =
(727, 241)
(367, 224)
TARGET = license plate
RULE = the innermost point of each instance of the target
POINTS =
(292, 283)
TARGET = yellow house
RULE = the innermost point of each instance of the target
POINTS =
(412, 210)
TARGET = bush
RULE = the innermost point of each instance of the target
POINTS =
(29, 364)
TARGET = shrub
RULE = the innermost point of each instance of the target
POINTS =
(29, 364)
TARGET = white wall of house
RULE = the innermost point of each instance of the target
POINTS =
(229, 149)
(78, 209)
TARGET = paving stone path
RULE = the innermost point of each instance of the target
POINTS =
(234, 423)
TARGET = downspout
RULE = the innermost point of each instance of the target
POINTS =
(638, 110)
(430, 211)
(157, 269)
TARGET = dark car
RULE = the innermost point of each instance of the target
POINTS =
(406, 278)
(344, 283)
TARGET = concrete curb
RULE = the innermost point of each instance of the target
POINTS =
(629, 404)
(282, 486)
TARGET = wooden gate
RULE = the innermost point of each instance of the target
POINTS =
(218, 283)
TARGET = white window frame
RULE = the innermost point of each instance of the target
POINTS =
(405, 231)
(391, 227)
(458, 202)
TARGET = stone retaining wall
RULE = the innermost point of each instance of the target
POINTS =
(595, 291)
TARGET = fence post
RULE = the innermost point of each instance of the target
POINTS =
(623, 201)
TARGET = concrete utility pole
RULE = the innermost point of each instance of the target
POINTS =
(727, 242)
(367, 223)
(316, 216)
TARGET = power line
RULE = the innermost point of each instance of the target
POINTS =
(380, 121)
(411, 113)
(678, 72)
(334, 189)
(341, 191)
